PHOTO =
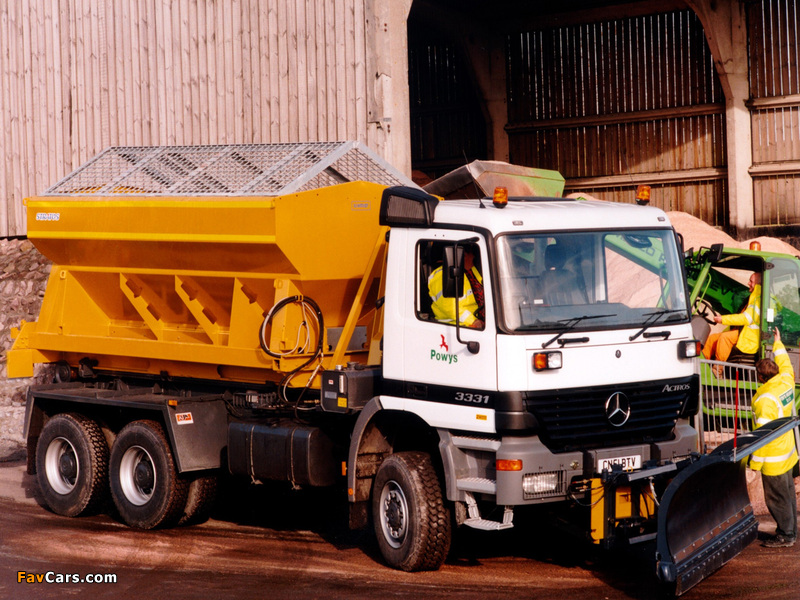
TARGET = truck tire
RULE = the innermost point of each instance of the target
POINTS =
(146, 488)
(199, 500)
(412, 521)
(72, 465)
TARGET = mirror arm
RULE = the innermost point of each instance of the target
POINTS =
(473, 346)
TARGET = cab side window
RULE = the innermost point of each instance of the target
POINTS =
(429, 258)
(434, 301)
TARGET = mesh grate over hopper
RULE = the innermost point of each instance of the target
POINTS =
(235, 170)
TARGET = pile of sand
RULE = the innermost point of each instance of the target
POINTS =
(697, 233)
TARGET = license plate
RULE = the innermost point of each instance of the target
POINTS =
(626, 462)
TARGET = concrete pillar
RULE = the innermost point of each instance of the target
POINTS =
(484, 47)
(725, 25)
(388, 113)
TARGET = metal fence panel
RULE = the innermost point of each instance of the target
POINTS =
(726, 392)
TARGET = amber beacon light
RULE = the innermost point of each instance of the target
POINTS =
(643, 195)
(500, 198)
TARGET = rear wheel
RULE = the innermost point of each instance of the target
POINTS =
(147, 490)
(412, 521)
(200, 499)
(72, 465)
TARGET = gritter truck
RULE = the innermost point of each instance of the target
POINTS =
(266, 311)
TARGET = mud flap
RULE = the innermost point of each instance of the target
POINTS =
(705, 518)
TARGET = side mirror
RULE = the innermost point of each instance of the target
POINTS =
(715, 253)
(452, 271)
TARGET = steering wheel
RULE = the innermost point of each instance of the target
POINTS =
(704, 309)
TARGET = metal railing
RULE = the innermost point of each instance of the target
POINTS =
(726, 392)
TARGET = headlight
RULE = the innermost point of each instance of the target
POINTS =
(543, 361)
(689, 349)
(542, 485)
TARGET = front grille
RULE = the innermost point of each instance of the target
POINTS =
(576, 419)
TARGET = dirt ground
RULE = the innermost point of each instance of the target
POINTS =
(271, 541)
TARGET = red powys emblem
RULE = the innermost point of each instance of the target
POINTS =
(444, 344)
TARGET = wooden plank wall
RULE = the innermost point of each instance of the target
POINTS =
(775, 110)
(618, 103)
(80, 75)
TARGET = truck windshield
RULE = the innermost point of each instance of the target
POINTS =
(602, 279)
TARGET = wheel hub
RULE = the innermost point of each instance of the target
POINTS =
(394, 513)
(143, 476)
(138, 477)
(68, 466)
(61, 466)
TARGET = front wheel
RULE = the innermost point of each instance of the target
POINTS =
(412, 520)
(72, 465)
(146, 488)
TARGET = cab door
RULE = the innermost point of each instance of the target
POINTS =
(437, 367)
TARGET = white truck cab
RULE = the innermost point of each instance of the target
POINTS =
(586, 339)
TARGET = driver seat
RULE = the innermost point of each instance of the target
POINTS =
(700, 328)
(560, 286)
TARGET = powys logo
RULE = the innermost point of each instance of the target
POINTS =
(445, 356)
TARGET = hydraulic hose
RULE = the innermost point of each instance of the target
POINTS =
(305, 304)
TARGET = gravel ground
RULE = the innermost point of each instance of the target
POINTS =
(23, 274)
(11, 440)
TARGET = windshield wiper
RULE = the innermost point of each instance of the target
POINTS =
(570, 324)
(651, 320)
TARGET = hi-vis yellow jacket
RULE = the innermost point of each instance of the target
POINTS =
(750, 322)
(773, 400)
(444, 309)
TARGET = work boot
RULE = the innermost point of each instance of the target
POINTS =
(779, 541)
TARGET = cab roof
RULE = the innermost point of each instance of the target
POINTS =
(543, 214)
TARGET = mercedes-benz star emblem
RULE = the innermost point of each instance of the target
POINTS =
(618, 409)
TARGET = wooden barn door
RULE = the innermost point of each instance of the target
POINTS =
(448, 128)
(619, 103)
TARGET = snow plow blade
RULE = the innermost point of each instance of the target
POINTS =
(705, 518)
